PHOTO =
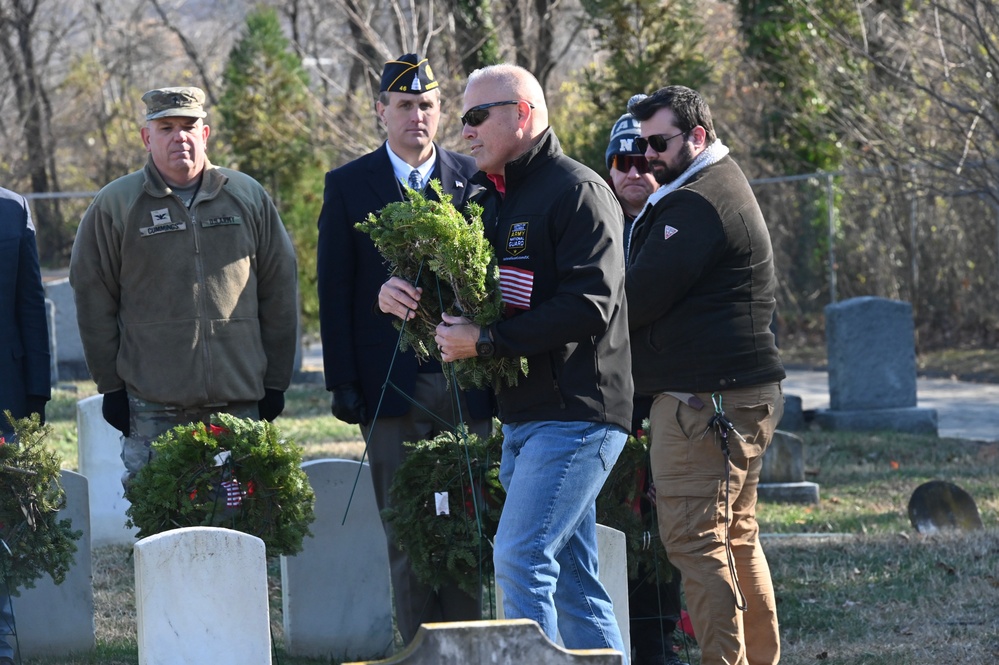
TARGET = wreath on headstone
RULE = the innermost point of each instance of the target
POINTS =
(449, 538)
(445, 505)
(236, 473)
(429, 243)
(34, 541)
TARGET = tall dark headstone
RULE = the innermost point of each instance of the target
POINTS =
(872, 368)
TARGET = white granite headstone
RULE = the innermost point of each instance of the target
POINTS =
(50, 317)
(337, 598)
(59, 620)
(99, 459)
(201, 598)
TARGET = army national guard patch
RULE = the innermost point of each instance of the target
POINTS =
(516, 242)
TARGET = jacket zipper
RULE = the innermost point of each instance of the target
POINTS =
(202, 313)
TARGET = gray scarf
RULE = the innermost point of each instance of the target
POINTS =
(710, 155)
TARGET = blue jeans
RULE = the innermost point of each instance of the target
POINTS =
(546, 542)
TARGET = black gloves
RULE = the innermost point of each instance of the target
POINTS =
(36, 404)
(115, 410)
(272, 404)
(348, 404)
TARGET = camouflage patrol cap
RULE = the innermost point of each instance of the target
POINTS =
(164, 102)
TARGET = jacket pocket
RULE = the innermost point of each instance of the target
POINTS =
(162, 362)
(238, 361)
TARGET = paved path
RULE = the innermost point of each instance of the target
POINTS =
(964, 410)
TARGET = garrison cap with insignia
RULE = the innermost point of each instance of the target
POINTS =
(187, 102)
(408, 74)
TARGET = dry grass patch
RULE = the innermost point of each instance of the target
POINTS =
(888, 599)
(114, 593)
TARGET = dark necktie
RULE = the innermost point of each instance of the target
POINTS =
(415, 182)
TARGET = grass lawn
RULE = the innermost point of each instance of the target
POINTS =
(855, 583)
(882, 594)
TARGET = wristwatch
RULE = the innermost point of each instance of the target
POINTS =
(485, 348)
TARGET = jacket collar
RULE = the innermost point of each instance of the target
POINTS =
(212, 180)
(521, 168)
(710, 155)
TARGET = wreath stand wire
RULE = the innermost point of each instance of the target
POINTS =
(460, 430)
(10, 627)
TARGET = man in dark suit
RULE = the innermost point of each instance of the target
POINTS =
(24, 337)
(360, 344)
(26, 383)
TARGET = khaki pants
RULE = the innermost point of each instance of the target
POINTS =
(688, 469)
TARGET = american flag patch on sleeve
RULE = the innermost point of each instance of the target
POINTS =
(516, 285)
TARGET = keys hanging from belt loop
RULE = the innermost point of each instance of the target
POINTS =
(721, 423)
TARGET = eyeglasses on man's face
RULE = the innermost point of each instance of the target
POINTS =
(657, 141)
(477, 115)
(624, 163)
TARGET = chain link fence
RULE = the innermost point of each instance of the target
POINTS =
(848, 234)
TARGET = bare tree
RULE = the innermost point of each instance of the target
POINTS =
(189, 49)
(529, 23)
(918, 121)
(27, 55)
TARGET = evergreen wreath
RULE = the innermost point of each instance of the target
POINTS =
(34, 540)
(456, 548)
(430, 244)
(452, 547)
(236, 473)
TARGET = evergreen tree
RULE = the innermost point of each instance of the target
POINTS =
(266, 105)
(649, 44)
(266, 110)
(812, 82)
(786, 43)
(474, 34)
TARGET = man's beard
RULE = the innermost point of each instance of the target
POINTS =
(665, 174)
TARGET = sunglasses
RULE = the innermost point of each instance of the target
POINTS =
(657, 141)
(624, 163)
(477, 115)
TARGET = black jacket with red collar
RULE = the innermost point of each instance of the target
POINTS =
(558, 240)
